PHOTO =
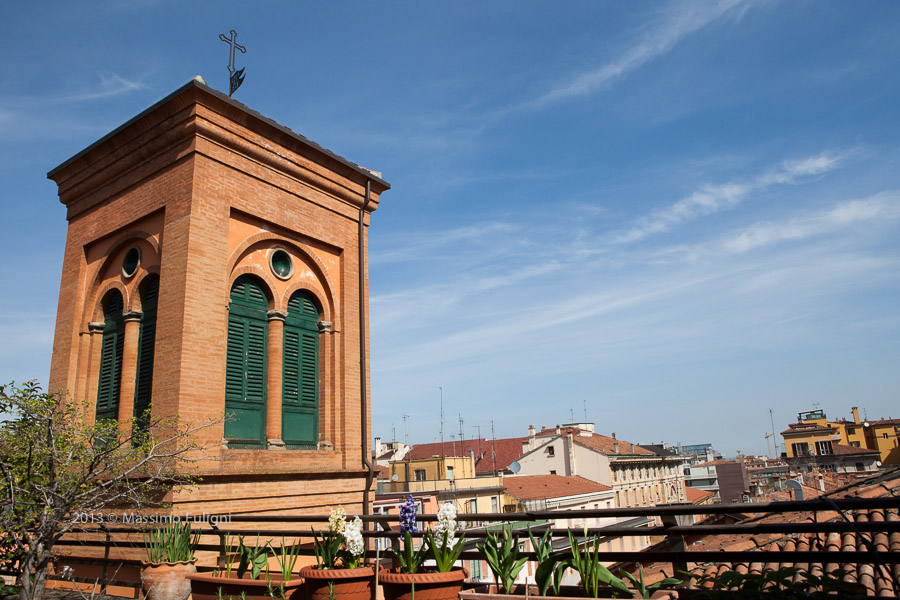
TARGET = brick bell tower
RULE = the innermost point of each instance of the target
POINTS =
(215, 264)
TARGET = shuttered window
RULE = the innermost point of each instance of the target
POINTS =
(111, 358)
(245, 372)
(300, 379)
(143, 385)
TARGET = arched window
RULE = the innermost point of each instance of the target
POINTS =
(245, 371)
(111, 358)
(143, 384)
(300, 380)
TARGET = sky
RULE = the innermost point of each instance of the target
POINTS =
(666, 218)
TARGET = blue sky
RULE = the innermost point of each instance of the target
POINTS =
(671, 216)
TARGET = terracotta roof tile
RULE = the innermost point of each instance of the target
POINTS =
(607, 445)
(696, 496)
(713, 463)
(505, 450)
(876, 579)
(539, 487)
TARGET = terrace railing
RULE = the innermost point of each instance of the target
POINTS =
(107, 545)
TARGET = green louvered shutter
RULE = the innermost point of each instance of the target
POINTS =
(146, 349)
(245, 370)
(111, 359)
(300, 381)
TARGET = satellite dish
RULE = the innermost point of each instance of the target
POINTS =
(395, 477)
(515, 467)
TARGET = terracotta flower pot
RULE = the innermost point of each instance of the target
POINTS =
(429, 585)
(206, 586)
(348, 584)
(167, 581)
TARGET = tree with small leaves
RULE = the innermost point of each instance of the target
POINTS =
(56, 467)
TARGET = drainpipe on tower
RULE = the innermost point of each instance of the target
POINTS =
(364, 426)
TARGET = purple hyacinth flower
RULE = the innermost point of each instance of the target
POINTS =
(408, 516)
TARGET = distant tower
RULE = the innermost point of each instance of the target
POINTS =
(212, 267)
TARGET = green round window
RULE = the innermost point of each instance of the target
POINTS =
(281, 264)
(131, 262)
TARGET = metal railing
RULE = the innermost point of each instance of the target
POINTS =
(114, 540)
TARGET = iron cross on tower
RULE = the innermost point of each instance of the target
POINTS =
(237, 77)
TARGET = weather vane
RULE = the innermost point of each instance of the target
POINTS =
(237, 77)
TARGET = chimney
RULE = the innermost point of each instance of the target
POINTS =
(613, 435)
(615, 445)
(821, 482)
(855, 411)
(557, 429)
(531, 433)
(571, 448)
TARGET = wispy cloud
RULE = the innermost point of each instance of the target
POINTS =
(882, 206)
(110, 85)
(421, 245)
(677, 23)
(718, 197)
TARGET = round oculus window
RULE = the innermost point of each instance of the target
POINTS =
(281, 264)
(131, 262)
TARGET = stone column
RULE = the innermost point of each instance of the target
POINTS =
(95, 330)
(274, 372)
(127, 377)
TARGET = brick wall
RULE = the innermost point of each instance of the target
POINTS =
(207, 189)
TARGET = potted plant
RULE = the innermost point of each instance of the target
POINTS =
(339, 573)
(170, 560)
(502, 556)
(251, 578)
(409, 578)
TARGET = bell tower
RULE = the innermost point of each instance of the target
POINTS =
(216, 264)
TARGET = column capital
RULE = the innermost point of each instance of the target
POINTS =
(325, 326)
(132, 315)
(276, 315)
(96, 327)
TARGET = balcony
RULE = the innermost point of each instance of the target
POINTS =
(856, 538)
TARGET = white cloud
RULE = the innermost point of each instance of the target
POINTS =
(715, 198)
(881, 206)
(110, 85)
(417, 246)
(679, 22)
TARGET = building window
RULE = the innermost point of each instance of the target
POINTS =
(420, 474)
(450, 473)
(111, 358)
(851, 430)
(476, 570)
(884, 435)
(860, 467)
(824, 447)
(300, 379)
(551, 451)
(143, 384)
(553, 472)
(800, 448)
(245, 370)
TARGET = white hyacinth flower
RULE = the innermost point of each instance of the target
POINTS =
(353, 538)
(445, 530)
(337, 520)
